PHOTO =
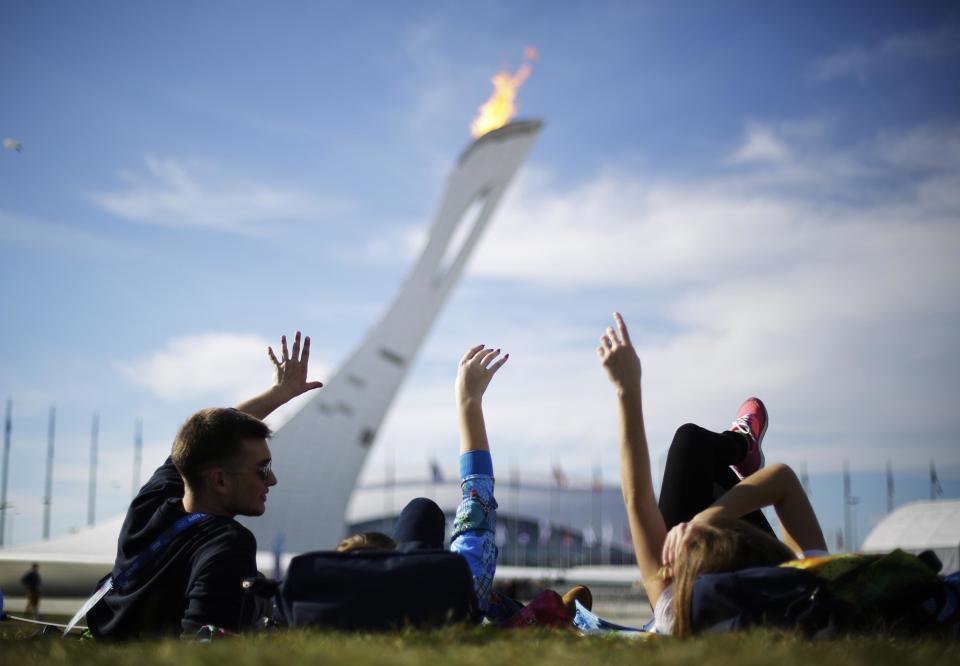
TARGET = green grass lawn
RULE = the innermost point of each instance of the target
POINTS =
(481, 647)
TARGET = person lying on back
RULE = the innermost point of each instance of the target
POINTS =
(181, 555)
(422, 523)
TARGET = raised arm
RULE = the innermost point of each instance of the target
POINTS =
(477, 368)
(474, 528)
(647, 528)
(289, 379)
(777, 486)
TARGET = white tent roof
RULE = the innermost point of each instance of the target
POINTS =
(918, 526)
(91, 544)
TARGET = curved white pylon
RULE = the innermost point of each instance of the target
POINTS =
(319, 452)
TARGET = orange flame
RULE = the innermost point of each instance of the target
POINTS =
(500, 108)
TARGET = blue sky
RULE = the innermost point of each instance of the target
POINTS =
(768, 193)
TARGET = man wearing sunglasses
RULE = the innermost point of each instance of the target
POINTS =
(181, 556)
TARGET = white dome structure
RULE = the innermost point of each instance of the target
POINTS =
(920, 526)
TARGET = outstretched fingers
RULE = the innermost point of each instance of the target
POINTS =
(622, 327)
(496, 366)
(290, 371)
(305, 356)
(296, 346)
(613, 336)
(304, 359)
(488, 357)
(477, 368)
(273, 357)
(471, 353)
(618, 356)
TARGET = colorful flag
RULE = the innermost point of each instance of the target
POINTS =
(589, 536)
(936, 490)
(544, 532)
(559, 478)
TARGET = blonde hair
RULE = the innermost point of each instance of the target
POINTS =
(366, 541)
(719, 546)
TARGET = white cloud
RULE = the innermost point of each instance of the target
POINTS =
(435, 84)
(399, 242)
(175, 193)
(924, 44)
(203, 365)
(827, 209)
(822, 281)
(218, 368)
(849, 62)
(33, 232)
(838, 310)
(548, 403)
(618, 229)
(761, 145)
(936, 147)
(916, 46)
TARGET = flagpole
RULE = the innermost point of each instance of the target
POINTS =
(515, 487)
(48, 486)
(550, 523)
(936, 490)
(389, 474)
(846, 505)
(137, 455)
(7, 431)
(595, 513)
(92, 491)
(890, 491)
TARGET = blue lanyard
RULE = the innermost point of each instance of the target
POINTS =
(159, 544)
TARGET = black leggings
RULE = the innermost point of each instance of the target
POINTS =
(698, 472)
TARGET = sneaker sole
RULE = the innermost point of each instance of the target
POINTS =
(763, 431)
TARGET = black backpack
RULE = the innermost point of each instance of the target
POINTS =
(890, 593)
(768, 597)
(378, 590)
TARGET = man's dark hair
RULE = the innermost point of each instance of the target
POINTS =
(213, 437)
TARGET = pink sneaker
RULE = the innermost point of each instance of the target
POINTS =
(752, 421)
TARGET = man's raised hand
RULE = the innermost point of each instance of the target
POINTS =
(618, 356)
(290, 370)
(289, 379)
(477, 368)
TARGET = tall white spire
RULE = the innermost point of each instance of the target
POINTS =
(320, 451)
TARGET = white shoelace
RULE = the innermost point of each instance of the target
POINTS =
(742, 425)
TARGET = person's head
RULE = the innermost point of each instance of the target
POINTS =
(223, 457)
(719, 546)
(366, 541)
(34, 567)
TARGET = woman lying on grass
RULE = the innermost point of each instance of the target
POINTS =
(706, 534)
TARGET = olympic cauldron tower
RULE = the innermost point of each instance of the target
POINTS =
(321, 449)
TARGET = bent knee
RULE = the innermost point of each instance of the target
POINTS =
(783, 470)
(687, 438)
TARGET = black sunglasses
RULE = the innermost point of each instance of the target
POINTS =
(263, 470)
